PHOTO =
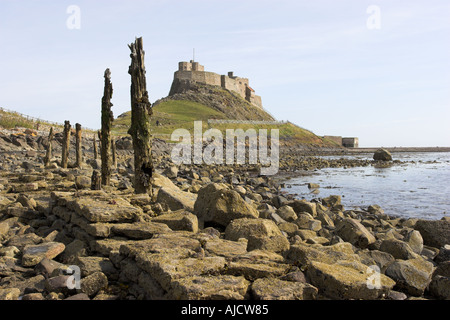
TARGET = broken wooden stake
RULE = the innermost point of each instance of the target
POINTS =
(79, 155)
(65, 144)
(48, 154)
(107, 119)
(141, 112)
(96, 180)
(95, 149)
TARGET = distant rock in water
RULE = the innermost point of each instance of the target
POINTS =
(383, 155)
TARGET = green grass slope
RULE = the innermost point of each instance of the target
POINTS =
(174, 114)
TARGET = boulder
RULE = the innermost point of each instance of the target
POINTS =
(139, 230)
(180, 220)
(375, 257)
(435, 233)
(90, 265)
(223, 287)
(93, 283)
(99, 209)
(303, 254)
(217, 204)
(444, 254)
(413, 276)
(415, 241)
(304, 206)
(260, 233)
(353, 231)
(440, 287)
(83, 182)
(350, 281)
(171, 172)
(382, 155)
(307, 222)
(398, 249)
(276, 289)
(331, 201)
(287, 213)
(176, 199)
(33, 254)
(9, 294)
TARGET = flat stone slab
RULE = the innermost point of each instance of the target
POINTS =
(97, 206)
(180, 220)
(276, 289)
(210, 288)
(179, 241)
(33, 254)
(139, 230)
(351, 281)
(165, 268)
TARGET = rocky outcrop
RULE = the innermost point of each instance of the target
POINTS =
(220, 205)
(382, 155)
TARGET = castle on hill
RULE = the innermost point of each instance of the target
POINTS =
(189, 72)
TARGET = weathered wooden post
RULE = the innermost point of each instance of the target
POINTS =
(48, 154)
(96, 180)
(113, 153)
(95, 149)
(79, 155)
(107, 119)
(141, 112)
(65, 144)
(99, 134)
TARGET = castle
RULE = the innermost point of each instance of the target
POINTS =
(195, 72)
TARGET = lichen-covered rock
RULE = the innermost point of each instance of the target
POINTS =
(435, 233)
(398, 249)
(353, 231)
(139, 230)
(440, 287)
(307, 222)
(216, 203)
(93, 283)
(9, 294)
(304, 254)
(180, 220)
(287, 213)
(167, 267)
(225, 248)
(276, 289)
(348, 281)
(415, 241)
(382, 155)
(97, 206)
(253, 270)
(176, 199)
(304, 206)
(413, 276)
(260, 233)
(221, 287)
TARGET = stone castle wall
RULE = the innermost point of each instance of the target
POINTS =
(194, 72)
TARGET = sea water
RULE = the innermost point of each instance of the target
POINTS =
(418, 187)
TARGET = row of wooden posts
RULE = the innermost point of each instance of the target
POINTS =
(141, 112)
(110, 152)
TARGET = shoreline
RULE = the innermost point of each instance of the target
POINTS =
(401, 149)
(206, 232)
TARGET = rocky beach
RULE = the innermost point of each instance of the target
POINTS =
(205, 232)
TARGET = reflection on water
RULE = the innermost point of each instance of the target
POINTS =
(419, 188)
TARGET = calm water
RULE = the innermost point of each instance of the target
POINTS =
(412, 190)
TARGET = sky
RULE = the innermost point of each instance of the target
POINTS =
(378, 70)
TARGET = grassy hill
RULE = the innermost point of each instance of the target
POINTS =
(173, 114)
